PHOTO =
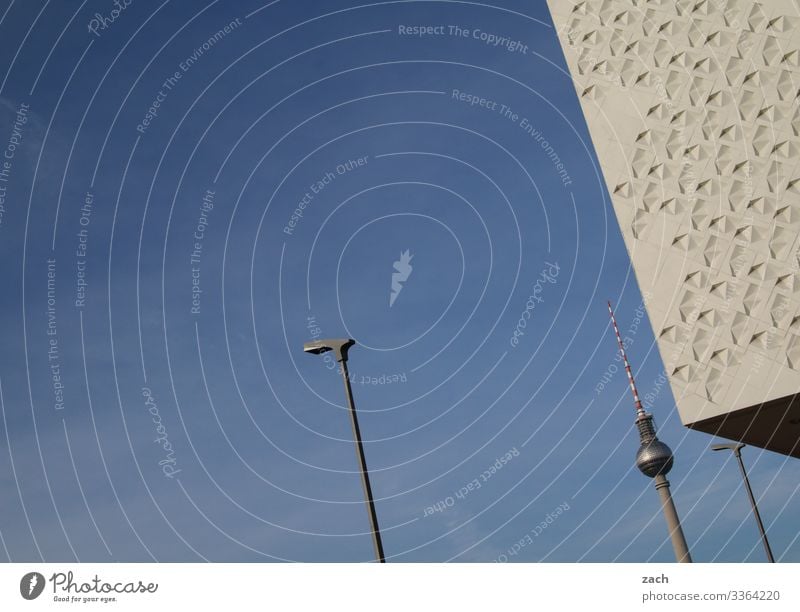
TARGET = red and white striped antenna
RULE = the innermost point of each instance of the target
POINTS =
(640, 413)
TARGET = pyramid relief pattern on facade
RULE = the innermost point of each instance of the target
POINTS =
(694, 109)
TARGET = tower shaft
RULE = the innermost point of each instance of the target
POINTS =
(673, 522)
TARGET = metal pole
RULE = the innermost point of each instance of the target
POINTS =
(362, 463)
(738, 452)
(673, 523)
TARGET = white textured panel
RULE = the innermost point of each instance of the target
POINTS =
(695, 105)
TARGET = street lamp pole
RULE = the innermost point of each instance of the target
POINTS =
(737, 450)
(340, 347)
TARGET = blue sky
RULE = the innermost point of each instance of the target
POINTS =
(193, 427)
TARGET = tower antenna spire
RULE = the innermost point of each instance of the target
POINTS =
(639, 408)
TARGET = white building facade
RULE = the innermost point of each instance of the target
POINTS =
(693, 109)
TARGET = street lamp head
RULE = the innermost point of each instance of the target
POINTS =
(735, 447)
(339, 346)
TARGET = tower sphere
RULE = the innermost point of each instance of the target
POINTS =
(654, 458)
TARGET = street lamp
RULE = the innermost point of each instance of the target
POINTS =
(340, 347)
(737, 450)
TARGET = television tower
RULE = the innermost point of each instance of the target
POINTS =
(654, 459)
